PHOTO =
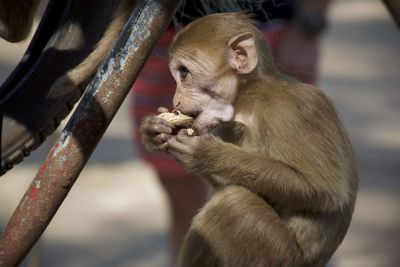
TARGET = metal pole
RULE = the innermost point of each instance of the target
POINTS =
(97, 108)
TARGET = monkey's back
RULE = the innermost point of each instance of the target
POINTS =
(300, 127)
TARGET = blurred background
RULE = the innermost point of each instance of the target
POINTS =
(117, 215)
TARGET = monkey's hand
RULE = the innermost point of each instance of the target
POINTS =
(155, 132)
(182, 147)
(185, 148)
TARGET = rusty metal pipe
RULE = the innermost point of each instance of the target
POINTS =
(97, 108)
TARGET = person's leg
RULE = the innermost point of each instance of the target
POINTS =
(187, 194)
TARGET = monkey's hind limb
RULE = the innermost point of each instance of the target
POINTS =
(234, 228)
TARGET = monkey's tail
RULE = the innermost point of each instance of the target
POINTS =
(86, 69)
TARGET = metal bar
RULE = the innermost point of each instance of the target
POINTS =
(97, 108)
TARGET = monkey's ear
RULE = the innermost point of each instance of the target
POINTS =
(242, 53)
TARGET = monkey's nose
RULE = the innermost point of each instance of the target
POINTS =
(177, 105)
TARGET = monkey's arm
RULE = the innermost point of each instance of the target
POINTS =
(155, 132)
(273, 179)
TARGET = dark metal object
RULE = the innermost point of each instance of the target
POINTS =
(28, 113)
(101, 101)
(394, 8)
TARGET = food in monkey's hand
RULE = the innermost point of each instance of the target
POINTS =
(190, 131)
(177, 118)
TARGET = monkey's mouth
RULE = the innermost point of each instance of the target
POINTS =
(194, 115)
(190, 113)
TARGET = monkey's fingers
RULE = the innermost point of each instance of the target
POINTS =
(163, 147)
(177, 148)
(162, 138)
(184, 137)
(155, 125)
(154, 129)
(158, 120)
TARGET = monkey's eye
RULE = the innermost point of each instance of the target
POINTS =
(183, 72)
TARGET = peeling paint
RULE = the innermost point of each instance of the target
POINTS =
(139, 33)
(107, 97)
(137, 36)
(33, 195)
(37, 184)
(63, 141)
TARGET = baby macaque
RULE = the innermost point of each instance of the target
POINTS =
(274, 149)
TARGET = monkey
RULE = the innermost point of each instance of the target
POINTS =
(274, 149)
(16, 19)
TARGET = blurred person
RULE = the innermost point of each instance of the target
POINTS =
(292, 29)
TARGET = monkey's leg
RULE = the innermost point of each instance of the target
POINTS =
(238, 228)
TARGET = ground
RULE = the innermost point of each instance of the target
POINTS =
(117, 214)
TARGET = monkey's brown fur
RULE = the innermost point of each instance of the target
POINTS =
(283, 167)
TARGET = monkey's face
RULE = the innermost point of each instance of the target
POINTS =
(204, 90)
